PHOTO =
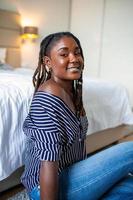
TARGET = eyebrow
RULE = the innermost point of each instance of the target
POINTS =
(66, 48)
(63, 48)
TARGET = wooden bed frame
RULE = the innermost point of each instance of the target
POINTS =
(10, 38)
(103, 139)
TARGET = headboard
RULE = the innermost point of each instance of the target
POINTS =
(10, 36)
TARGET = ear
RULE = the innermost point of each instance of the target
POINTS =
(47, 61)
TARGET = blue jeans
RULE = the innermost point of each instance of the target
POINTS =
(101, 176)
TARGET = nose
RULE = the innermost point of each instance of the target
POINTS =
(73, 58)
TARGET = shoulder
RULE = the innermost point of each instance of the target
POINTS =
(51, 87)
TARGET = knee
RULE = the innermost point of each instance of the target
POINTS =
(126, 147)
(128, 144)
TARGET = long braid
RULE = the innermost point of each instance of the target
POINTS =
(78, 84)
(78, 97)
(41, 74)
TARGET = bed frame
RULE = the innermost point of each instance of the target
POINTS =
(103, 139)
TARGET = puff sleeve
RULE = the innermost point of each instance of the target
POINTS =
(42, 127)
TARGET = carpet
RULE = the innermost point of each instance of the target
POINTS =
(20, 196)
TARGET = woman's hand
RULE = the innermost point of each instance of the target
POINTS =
(49, 180)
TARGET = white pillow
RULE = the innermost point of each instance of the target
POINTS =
(2, 55)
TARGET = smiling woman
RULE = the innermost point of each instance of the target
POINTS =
(56, 165)
(65, 64)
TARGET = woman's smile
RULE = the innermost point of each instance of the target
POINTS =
(74, 69)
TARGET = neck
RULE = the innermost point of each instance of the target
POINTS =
(65, 84)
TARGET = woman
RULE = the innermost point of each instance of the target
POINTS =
(56, 165)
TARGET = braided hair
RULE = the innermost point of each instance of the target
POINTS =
(42, 74)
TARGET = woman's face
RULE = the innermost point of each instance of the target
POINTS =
(65, 60)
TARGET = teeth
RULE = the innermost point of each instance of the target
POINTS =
(74, 69)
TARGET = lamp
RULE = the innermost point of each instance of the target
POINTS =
(29, 32)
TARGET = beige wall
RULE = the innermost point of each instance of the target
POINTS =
(86, 23)
(105, 28)
(117, 43)
(49, 16)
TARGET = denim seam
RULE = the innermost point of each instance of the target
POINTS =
(87, 166)
(94, 181)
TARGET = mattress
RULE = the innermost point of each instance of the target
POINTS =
(107, 105)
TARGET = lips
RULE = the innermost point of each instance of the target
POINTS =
(74, 68)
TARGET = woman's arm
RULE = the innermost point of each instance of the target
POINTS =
(49, 180)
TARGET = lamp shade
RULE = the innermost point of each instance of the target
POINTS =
(29, 32)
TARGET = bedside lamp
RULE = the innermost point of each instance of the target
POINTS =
(29, 32)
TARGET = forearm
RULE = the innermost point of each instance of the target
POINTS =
(49, 180)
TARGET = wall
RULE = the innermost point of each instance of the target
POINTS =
(48, 16)
(105, 28)
(117, 43)
(86, 23)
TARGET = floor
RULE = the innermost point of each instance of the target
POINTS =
(11, 192)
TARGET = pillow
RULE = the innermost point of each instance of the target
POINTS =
(4, 66)
(2, 55)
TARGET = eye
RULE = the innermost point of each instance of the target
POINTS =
(64, 54)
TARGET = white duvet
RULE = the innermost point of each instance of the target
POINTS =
(15, 94)
(106, 104)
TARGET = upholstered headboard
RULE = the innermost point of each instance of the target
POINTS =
(10, 36)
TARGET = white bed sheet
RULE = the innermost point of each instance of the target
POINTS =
(15, 87)
(106, 105)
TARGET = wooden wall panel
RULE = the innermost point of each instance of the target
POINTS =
(9, 19)
(13, 57)
(10, 36)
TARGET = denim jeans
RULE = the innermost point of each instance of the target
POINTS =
(101, 176)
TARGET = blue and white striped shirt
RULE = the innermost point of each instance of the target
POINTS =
(54, 133)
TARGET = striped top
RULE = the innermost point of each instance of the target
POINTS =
(54, 133)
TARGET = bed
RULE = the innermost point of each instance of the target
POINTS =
(110, 119)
